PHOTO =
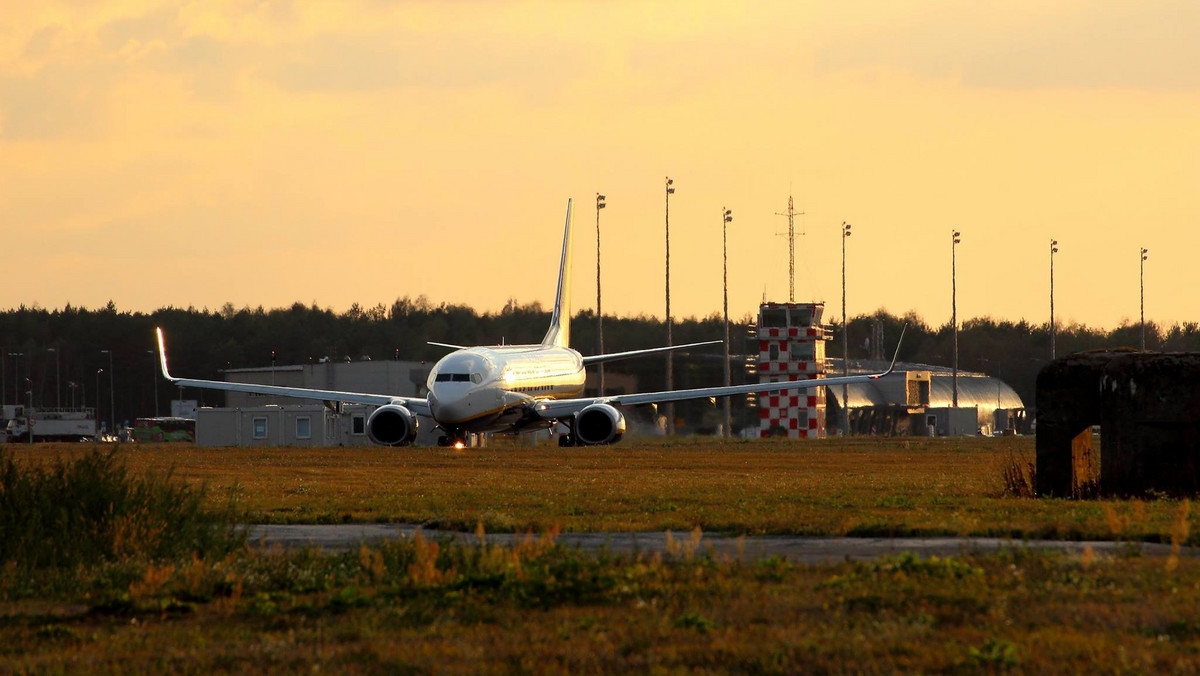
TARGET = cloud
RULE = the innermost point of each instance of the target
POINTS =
(61, 100)
(1088, 45)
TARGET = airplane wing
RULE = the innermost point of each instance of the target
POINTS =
(564, 408)
(415, 404)
(613, 356)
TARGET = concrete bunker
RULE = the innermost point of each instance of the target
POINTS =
(1147, 409)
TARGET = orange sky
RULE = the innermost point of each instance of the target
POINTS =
(197, 153)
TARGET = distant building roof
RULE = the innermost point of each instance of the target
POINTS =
(974, 389)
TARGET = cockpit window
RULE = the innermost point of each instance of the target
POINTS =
(453, 378)
(476, 378)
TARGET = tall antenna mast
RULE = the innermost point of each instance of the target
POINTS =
(791, 235)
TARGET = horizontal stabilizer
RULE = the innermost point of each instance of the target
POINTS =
(614, 356)
(448, 345)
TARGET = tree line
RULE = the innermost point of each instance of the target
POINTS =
(74, 353)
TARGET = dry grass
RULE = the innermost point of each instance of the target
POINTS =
(867, 486)
(416, 606)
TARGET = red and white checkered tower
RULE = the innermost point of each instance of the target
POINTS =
(791, 344)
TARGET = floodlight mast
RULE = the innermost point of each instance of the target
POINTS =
(1053, 250)
(845, 338)
(670, 407)
(954, 242)
(1142, 296)
(599, 312)
(726, 218)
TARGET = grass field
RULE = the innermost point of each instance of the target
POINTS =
(876, 486)
(414, 606)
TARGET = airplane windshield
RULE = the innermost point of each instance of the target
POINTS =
(453, 378)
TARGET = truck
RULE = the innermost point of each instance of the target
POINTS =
(50, 424)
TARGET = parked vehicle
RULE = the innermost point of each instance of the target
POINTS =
(51, 424)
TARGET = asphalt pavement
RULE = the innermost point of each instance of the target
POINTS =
(796, 549)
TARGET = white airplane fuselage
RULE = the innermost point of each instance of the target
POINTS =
(488, 389)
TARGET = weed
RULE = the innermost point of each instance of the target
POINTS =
(1020, 476)
(91, 511)
(695, 621)
(994, 653)
(772, 569)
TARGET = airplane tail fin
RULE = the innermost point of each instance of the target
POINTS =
(559, 334)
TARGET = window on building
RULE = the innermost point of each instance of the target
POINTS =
(358, 425)
(774, 318)
(304, 428)
(773, 352)
(801, 350)
(801, 316)
(260, 428)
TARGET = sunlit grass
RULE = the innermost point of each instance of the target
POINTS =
(861, 486)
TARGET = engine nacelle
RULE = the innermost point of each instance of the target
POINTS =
(599, 424)
(392, 425)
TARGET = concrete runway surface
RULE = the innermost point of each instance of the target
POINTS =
(796, 549)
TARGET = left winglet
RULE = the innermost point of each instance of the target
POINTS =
(162, 354)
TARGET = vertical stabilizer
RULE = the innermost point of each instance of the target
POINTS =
(559, 334)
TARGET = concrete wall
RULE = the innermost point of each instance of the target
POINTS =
(1147, 406)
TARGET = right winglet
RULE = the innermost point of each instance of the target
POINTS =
(896, 355)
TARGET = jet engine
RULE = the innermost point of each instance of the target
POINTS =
(599, 424)
(392, 425)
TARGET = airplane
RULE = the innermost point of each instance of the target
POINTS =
(513, 388)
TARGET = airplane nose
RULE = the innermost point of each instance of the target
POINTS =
(449, 406)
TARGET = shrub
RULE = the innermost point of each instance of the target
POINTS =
(91, 511)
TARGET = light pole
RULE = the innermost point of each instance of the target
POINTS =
(72, 387)
(954, 242)
(599, 311)
(98, 416)
(154, 377)
(29, 411)
(112, 398)
(1142, 295)
(1053, 250)
(670, 190)
(16, 376)
(845, 339)
(57, 378)
(726, 218)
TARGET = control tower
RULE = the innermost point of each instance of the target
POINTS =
(791, 345)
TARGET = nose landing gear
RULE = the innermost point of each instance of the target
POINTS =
(452, 440)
